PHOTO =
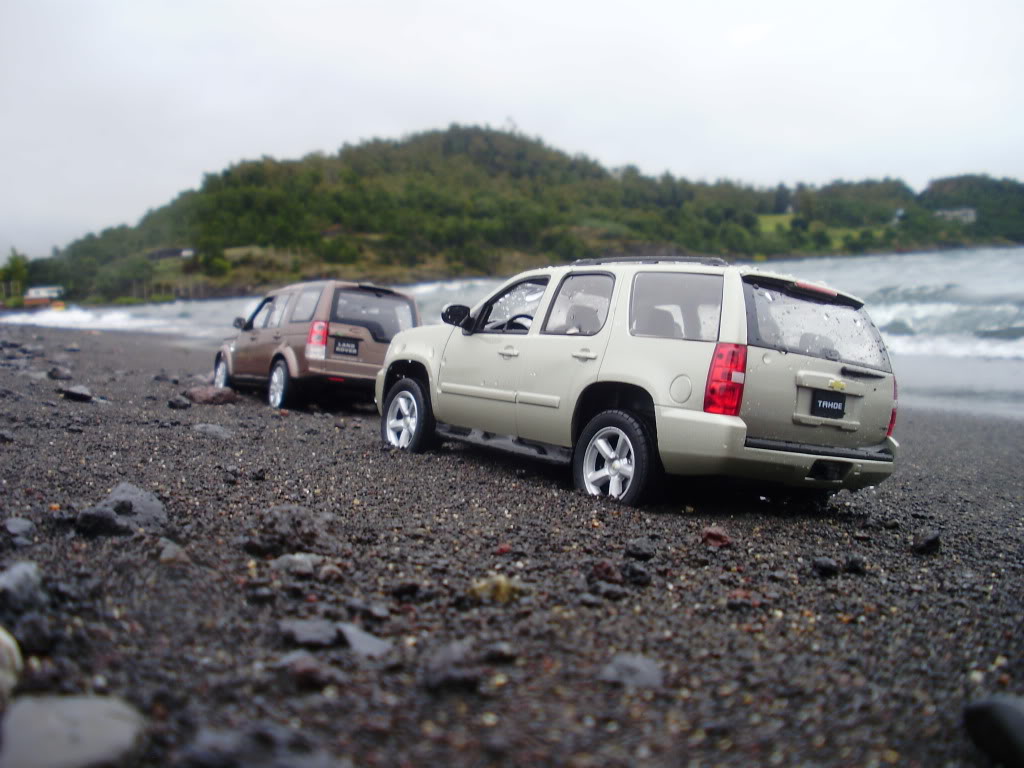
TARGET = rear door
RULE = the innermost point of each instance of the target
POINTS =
(363, 321)
(252, 342)
(817, 370)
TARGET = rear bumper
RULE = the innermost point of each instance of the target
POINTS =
(697, 443)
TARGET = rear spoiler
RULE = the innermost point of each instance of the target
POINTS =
(805, 289)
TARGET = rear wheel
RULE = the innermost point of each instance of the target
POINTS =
(615, 457)
(279, 390)
(408, 422)
(221, 377)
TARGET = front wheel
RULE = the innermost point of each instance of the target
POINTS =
(614, 457)
(407, 423)
(280, 386)
(221, 377)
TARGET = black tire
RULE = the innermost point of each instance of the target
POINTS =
(615, 458)
(221, 377)
(279, 386)
(407, 420)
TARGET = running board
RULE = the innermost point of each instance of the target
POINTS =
(554, 454)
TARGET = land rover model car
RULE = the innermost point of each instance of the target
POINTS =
(328, 332)
(625, 368)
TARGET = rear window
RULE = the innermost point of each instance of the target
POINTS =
(806, 325)
(675, 305)
(383, 314)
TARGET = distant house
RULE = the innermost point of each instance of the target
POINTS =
(42, 296)
(960, 215)
(171, 253)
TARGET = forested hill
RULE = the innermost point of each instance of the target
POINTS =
(471, 200)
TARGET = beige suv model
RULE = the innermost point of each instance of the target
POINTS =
(327, 333)
(629, 367)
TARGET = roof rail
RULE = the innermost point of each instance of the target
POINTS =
(709, 261)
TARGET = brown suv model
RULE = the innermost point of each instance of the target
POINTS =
(326, 332)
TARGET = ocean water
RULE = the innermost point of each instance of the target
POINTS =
(953, 320)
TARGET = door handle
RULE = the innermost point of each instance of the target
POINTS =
(585, 354)
(508, 352)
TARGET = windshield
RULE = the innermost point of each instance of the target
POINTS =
(809, 325)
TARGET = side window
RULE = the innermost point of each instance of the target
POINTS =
(262, 313)
(277, 313)
(581, 305)
(513, 310)
(676, 305)
(305, 305)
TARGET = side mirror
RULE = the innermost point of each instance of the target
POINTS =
(239, 323)
(455, 314)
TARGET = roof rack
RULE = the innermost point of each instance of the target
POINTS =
(709, 261)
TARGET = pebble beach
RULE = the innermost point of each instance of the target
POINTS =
(218, 583)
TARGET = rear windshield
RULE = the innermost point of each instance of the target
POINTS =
(383, 314)
(794, 322)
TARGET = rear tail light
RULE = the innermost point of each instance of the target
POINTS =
(316, 342)
(724, 392)
(895, 403)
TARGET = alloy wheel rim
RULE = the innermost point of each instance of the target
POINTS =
(276, 386)
(402, 420)
(608, 463)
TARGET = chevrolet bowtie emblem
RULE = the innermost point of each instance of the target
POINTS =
(837, 385)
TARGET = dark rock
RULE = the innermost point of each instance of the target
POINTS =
(127, 509)
(178, 403)
(376, 610)
(21, 587)
(590, 600)
(363, 643)
(996, 726)
(260, 745)
(6, 437)
(501, 652)
(640, 549)
(635, 574)
(632, 670)
(211, 395)
(78, 393)
(164, 378)
(855, 565)
(448, 668)
(609, 591)
(307, 672)
(310, 633)
(72, 731)
(213, 430)
(59, 373)
(36, 633)
(288, 528)
(825, 567)
(890, 524)
(605, 570)
(927, 542)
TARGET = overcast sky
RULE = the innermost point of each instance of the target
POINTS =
(112, 107)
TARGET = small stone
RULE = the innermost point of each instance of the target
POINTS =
(19, 526)
(178, 403)
(6, 437)
(21, 587)
(211, 395)
(301, 565)
(173, 554)
(498, 588)
(78, 393)
(59, 373)
(632, 670)
(311, 633)
(363, 643)
(605, 570)
(213, 430)
(308, 672)
(715, 536)
(927, 542)
(448, 668)
(635, 574)
(855, 565)
(260, 745)
(825, 567)
(640, 549)
(72, 731)
(501, 652)
(124, 511)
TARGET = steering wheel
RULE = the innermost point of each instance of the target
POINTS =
(511, 323)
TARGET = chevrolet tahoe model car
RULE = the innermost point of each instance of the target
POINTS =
(625, 368)
(328, 332)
